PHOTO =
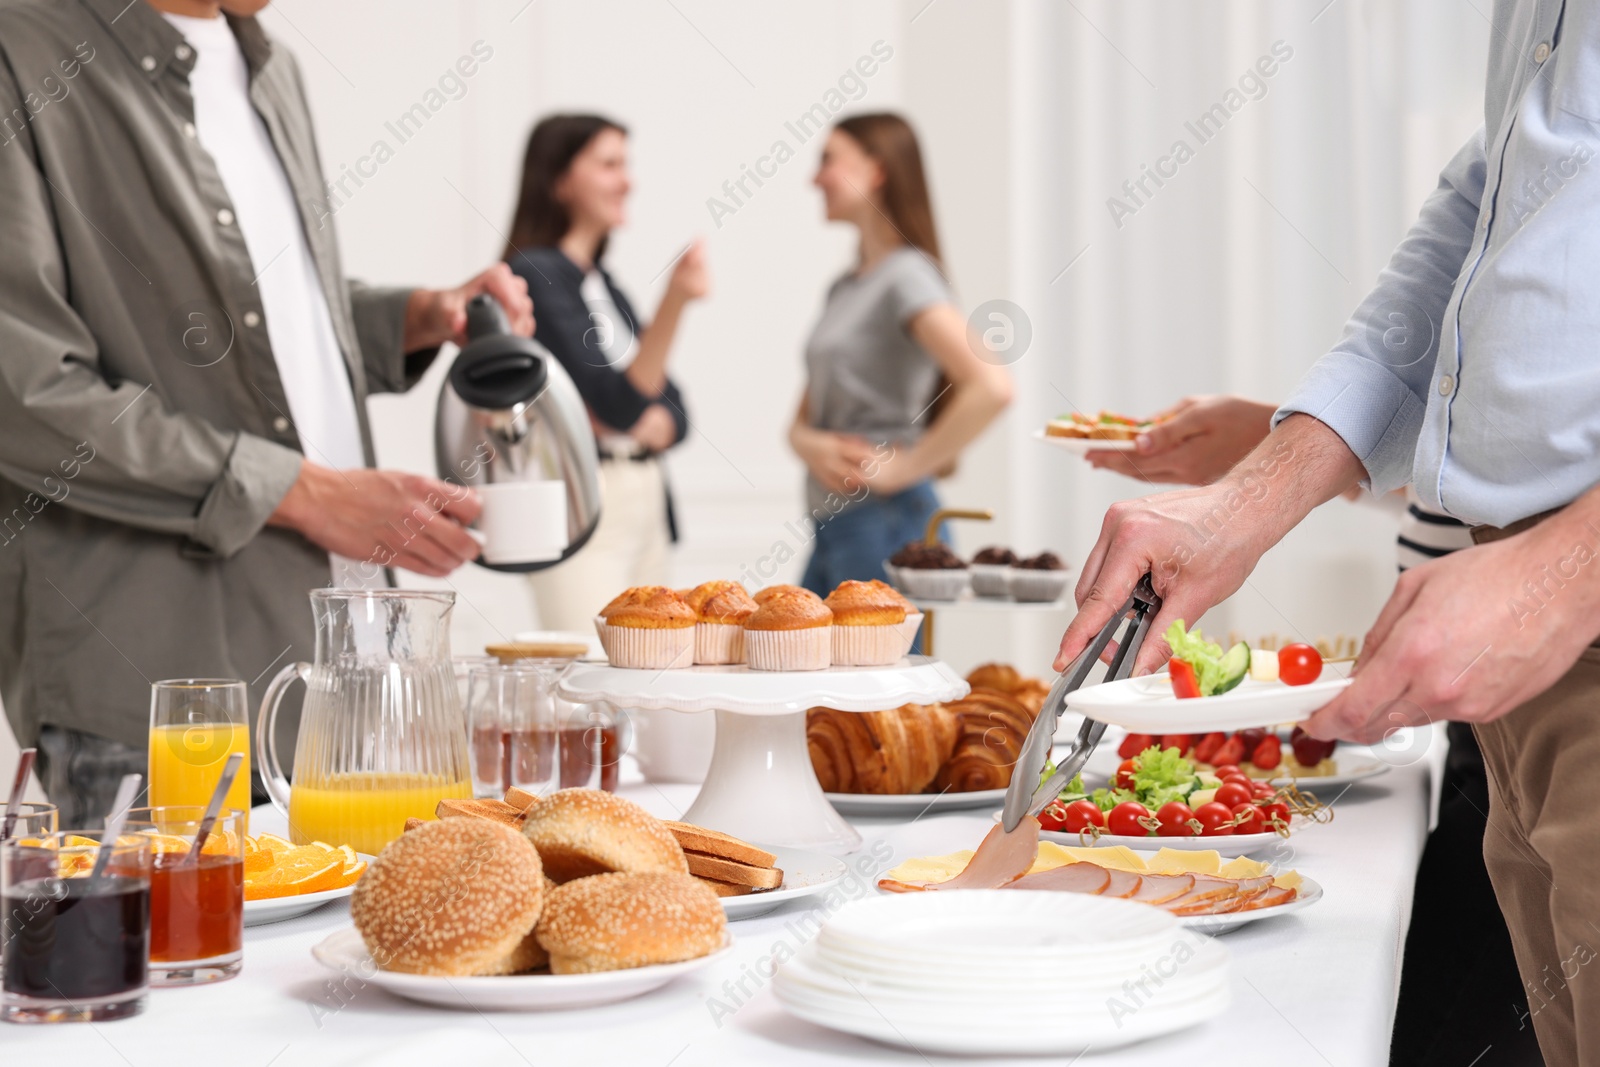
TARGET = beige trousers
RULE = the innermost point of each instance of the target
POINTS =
(1542, 849)
(629, 547)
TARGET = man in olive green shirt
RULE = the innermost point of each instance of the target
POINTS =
(159, 514)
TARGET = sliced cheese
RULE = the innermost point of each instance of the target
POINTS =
(1242, 867)
(1111, 857)
(1181, 861)
(932, 868)
(1288, 880)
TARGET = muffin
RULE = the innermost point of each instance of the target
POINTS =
(913, 623)
(792, 631)
(990, 569)
(1038, 578)
(648, 627)
(868, 623)
(764, 595)
(928, 572)
(720, 609)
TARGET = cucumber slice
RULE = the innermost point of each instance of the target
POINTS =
(1235, 665)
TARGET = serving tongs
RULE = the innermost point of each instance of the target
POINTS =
(1026, 795)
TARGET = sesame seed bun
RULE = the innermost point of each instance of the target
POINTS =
(614, 922)
(454, 897)
(583, 832)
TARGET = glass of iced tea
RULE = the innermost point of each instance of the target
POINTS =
(196, 902)
(75, 947)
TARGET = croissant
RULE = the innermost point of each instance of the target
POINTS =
(993, 727)
(896, 751)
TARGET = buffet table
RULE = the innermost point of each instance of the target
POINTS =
(1317, 987)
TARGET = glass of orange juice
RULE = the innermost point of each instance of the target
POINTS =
(195, 724)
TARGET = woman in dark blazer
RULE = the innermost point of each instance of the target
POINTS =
(574, 192)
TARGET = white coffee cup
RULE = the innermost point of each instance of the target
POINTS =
(523, 522)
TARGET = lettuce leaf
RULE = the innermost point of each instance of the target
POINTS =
(1204, 656)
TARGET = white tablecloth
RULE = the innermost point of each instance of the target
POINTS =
(1314, 988)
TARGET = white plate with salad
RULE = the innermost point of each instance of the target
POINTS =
(1083, 445)
(1208, 689)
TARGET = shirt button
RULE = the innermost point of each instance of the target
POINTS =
(1541, 53)
(183, 51)
(225, 217)
(1446, 383)
(148, 63)
(189, 131)
(280, 424)
(251, 319)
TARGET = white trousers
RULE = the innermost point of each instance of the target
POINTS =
(629, 547)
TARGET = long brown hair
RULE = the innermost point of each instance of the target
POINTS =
(540, 220)
(892, 144)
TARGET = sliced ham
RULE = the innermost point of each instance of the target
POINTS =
(1160, 888)
(1213, 894)
(1270, 897)
(1001, 858)
(1072, 878)
(1123, 884)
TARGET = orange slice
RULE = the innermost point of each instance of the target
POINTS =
(288, 880)
(165, 842)
(350, 875)
(274, 843)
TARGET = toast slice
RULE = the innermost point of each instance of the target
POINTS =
(693, 838)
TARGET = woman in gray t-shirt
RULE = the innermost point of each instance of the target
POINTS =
(895, 390)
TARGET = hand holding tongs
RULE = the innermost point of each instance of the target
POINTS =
(1026, 795)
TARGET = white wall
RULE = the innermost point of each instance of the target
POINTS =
(1031, 114)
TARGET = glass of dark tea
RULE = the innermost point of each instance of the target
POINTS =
(75, 945)
(524, 735)
(196, 901)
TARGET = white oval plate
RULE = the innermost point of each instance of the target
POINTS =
(1228, 846)
(804, 873)
(1310, 893)
(896, 805)
(277, 909)
(344, 951)
(1082, 445)
(1355, 763)
(1146, 705)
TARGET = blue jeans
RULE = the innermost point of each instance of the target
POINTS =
(855, 542)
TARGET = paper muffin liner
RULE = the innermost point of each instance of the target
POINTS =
(869, 646)
(908, 631)
(646, 649)
(931, 584)
(1037, 585)
(718, 642)
(989, 579)
(810, 649)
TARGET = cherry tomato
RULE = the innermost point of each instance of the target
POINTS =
(1226, 771)
(1276, 814)
(1176, 820)
(1299, 664)
(1207, 746)
(1231, 752)
(1262, 791)
(1124, 775)
(1268, 753)
(1185, 682)
(1082, 814)
(1053, 817)
(1231, 794)
(1249, 819)
(1240, 777)
(1216, 820)
(1134, 744)
(1129, 819)
(1182, 742)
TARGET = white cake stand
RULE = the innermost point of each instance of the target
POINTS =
(761, 786)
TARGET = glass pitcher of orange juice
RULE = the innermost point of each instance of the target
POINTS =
(382, 736)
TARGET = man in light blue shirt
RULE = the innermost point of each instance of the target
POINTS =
(1472, 370)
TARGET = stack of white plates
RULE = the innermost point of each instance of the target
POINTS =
(998, 972)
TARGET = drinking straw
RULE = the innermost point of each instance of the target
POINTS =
(24, 765)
